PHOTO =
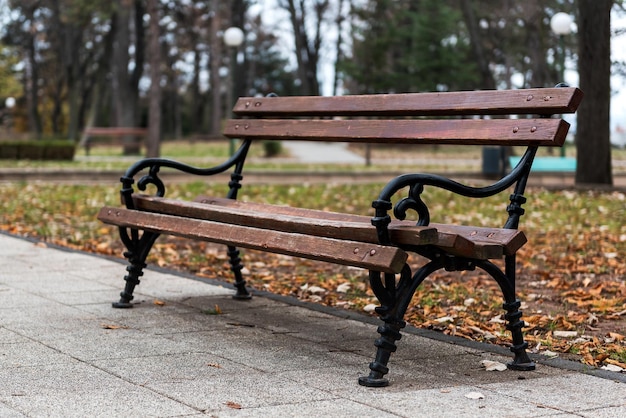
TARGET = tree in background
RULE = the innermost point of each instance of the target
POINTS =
(155, 93)
(593, 143)
(21, 33)
(306, 50)
(408, 47)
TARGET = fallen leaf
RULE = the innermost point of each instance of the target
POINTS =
(216, 365)
(370, 307)
(445, 319)
(233, 405)
(474, 395)
(343, 288)
(565, 334)
(549, 354)
(493, 366)
(313, 289)
(612, 368)
(215, 311)
(159, 302)
(111, 326)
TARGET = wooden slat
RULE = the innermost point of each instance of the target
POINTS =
(544, 101)
(369, 256)
(489, 243)
(477, 242)
(468, 241)
(546, 132)
(282, 218)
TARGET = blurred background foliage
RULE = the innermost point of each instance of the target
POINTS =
(69, 64)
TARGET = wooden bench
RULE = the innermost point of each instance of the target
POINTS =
(377, 242)
(114, 135)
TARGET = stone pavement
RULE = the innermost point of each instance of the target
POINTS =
(64, 352)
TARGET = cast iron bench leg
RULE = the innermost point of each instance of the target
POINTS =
(394, 300)
(506, 281)
(138, 249)
(240, 282)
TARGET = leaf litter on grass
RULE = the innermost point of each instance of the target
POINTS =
(570, 274)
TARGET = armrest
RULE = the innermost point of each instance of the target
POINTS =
(417, 181)
(154, 165)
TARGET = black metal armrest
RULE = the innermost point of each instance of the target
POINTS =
(416, 182)
(154, 165)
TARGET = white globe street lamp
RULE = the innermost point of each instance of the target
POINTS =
(233, 38)
(561, 24)
(10, 104)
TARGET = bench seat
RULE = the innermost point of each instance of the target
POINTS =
(367, 255)
(467, 241)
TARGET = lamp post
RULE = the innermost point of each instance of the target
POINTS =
(561, 25)
(10, 104)
(233, 38)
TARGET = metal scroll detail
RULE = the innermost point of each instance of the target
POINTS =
(139, 243)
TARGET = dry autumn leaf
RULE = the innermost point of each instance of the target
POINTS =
(112, 326)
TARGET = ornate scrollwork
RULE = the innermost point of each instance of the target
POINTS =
(417, 182)
(413, 202)
(154, 166)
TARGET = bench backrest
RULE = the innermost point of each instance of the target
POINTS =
(470, 117)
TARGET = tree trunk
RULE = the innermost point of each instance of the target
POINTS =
(594, 65)
(154, 111)
(306, 55)
(214, 71)
(31, 81)
(122, 95)
(487, 81)
(338, 46)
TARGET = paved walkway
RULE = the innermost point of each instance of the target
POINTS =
(65, 352)
(326, 152)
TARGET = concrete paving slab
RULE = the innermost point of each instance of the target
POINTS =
(571, 392)
(330, 408)
(98, 343)
(7, 412)
(611, 412)
(450, 401)
(48, 318)
(252, 390)
(30, 353)
(170, 368)
(80, 390)
(49, 282)
(12, 298)
(66, 352)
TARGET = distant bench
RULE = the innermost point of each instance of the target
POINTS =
(376, 242)
(112, 136)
